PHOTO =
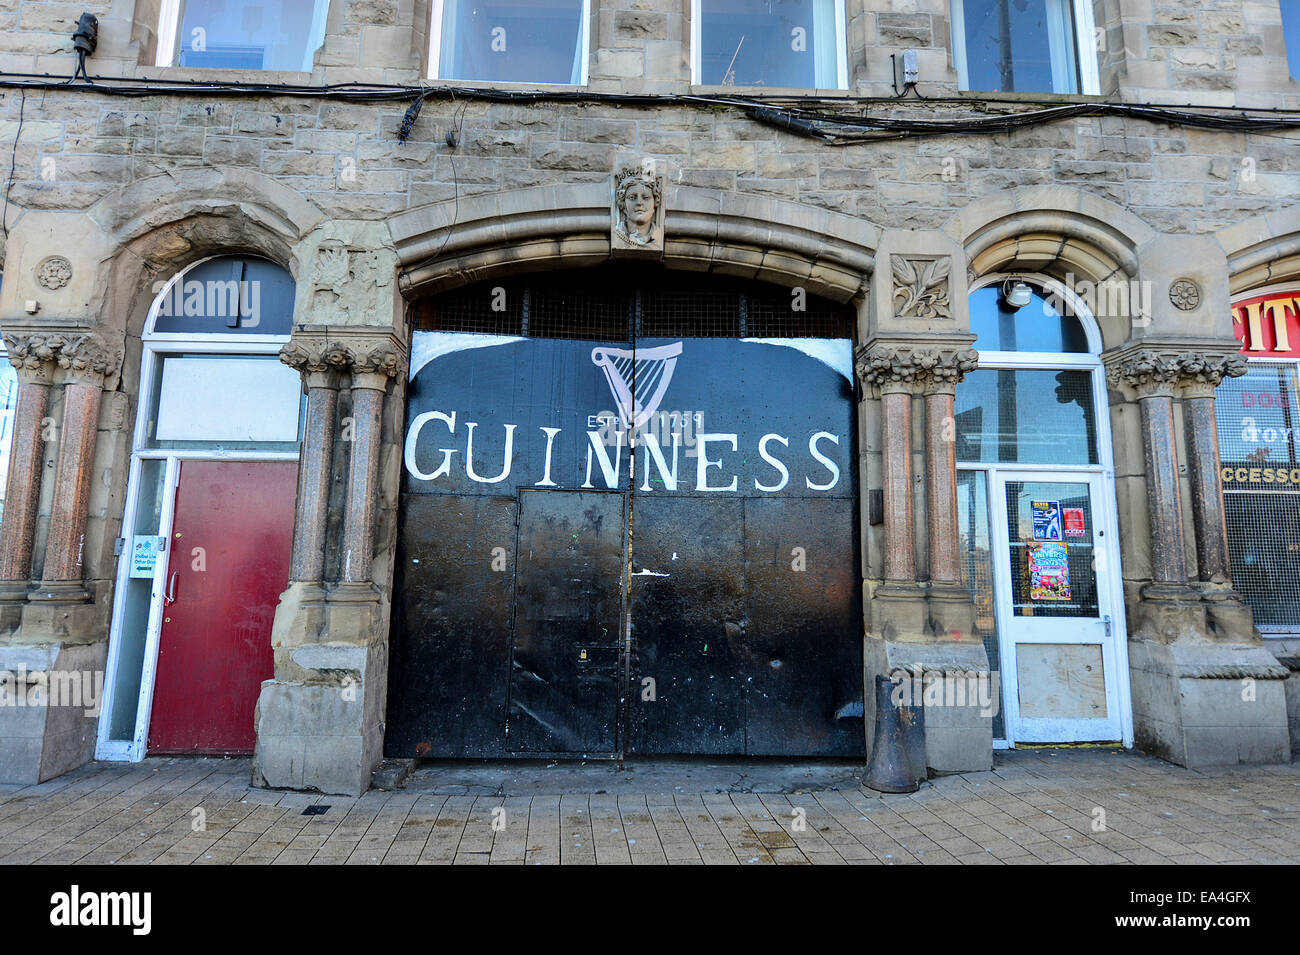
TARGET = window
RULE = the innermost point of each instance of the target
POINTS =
(1024, 46)
(257, 35)
(793, 44)
(1291, 34)
(510, 41)
(1259, 459)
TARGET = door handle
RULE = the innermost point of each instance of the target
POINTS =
(1106, 620)
(170, 597)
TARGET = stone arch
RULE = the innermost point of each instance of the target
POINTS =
(160, 225)
(1264, 250)
(445, 245)
(1066, 234)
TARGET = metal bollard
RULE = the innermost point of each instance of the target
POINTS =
(898, 755)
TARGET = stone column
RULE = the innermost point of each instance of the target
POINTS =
(942, 372)
(1191, 645)
(896, 477)
(1204, 374)
(33, 359)
(320, 364)
(1154, 376)
(370, 375)
(85, 362)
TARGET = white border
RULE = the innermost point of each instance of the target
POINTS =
(169, 25)
(841, 47)
(1084, 26)
(433, 60)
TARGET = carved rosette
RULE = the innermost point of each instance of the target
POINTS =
(921, 287)
(1196, 375)
(906, 368)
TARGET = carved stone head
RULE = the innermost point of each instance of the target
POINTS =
(638, 210)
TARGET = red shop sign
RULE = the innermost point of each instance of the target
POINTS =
(1268, 325)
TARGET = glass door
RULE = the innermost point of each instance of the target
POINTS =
(1057, 600)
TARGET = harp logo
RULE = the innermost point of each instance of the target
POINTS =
(637, 379)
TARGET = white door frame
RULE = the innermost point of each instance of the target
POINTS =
(156, 346)
(1104, 630)
(1105, 504)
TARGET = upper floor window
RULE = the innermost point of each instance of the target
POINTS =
(510, 41)
(256, 35)
(793, 44)
(1291, 34)
(1024, 46)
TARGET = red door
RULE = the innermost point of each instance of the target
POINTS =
(229, 563)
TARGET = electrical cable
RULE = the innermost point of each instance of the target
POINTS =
(827, 119)
(13, 164)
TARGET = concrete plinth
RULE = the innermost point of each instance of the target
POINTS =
(50, 699)
(1209, 705)
(320, 722)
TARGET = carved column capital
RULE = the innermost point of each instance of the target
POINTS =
(88, 360)
(1203, 373)
(933, 370)
(33, 357)
(1152, 372)
(319, 360)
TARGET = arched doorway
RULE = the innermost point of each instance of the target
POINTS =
(1036, 503)
(628, 522)
(208, 522)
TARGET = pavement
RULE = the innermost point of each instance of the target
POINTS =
(1063, 806)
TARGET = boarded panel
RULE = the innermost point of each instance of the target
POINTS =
(1061, 681)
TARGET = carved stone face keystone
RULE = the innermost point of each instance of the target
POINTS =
(637, 216)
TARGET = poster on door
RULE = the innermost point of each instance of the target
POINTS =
(1075, 522)
(1047, 520)
(1049, 572)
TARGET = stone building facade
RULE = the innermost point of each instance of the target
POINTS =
(1153, 183)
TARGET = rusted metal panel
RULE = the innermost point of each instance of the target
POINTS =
(566, 660)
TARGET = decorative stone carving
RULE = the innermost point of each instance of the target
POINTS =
(637, 212)
(346, 283)
(80, 355)
(85, 357)
(312, 356)
(53, 272)
(33, 356)
(921, 287)
(379, 360)
(932, 367)
(1151, 372)
(1185, 294)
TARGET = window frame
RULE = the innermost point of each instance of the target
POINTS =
(433, 62)
(169, 26)
(841, 50)
(1254, 360)
(1084, 26)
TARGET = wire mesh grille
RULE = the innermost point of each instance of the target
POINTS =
(618, 305)
(1258, 414)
